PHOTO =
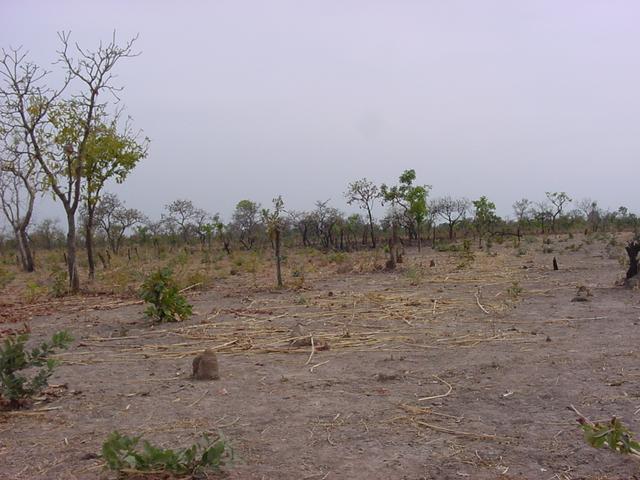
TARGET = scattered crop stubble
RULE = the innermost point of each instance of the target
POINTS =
(433, 379)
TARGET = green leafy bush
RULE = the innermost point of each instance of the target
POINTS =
(167, 304)
(58, 287)
(613, 435)
(129, 455)
(16, 389)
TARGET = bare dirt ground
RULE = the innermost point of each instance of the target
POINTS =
(419, 381)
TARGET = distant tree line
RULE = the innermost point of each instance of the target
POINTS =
(71, 140)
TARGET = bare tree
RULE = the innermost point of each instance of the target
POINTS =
(543, 213)
(325, 219)
(186, 216)
(47, 233)
(114, 219)
(19, 184)
(245, 221)
(452, 210)
(38, 113)
(364, 193)
(591, 212)
(558, 200)
(522, 209)
(274, 223)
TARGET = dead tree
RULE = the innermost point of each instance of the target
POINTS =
(19, 183)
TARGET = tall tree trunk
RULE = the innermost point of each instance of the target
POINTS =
(21, 252)
(450, 231)
(278, 259)
(28, 262)
(419, 238)
(393, 242)
(433, 238)
(72, 265)
(89, 244)
(373, 238)
(633, 249)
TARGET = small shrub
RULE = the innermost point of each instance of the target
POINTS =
(451, 247)
(124, 454)
(337, 257)
(34, 292)
(167, 304)
(466, 255)
(15, 388)
(514, 290)
(415, 274)
(613, 435)
(6, 277)
(58, 287)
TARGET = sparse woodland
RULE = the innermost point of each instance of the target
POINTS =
(387, 309)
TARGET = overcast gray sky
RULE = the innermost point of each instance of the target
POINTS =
(251, 99)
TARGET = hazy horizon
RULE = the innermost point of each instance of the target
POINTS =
(254, 100)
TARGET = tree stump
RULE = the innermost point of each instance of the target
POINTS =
(633, 248)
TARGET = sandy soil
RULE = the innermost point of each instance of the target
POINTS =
(419, 382)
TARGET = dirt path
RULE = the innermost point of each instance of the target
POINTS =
(419, 381)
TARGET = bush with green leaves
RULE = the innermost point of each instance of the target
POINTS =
(612, 435)
(167, 304)
(15, 388)
(132, 455)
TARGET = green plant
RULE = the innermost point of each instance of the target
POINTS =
(34, 292)
(15, 388)
(514, 290)
(337, 257)
(466, 255)
(124, 454)
(6, 277)
(161, 291)
(613, 435)
(59, 282)
(415, 274)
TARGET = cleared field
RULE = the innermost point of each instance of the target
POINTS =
(451, 371)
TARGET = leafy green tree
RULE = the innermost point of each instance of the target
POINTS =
(407, 199)
(111, 155)
(417, 198)
(485, 215)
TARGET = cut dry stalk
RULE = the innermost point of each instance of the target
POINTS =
(313, 350)
(477, 295)
(424, 399)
